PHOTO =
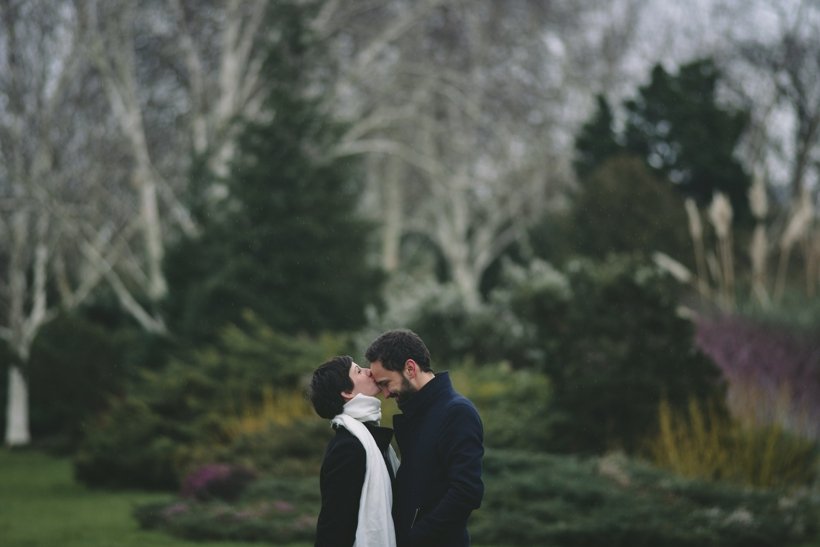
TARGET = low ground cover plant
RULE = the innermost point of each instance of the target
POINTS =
(537, 499)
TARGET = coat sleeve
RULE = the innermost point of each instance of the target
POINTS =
(340, 483)
(461, 447)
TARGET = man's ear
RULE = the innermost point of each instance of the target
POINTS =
(346, 395)
(412, 368)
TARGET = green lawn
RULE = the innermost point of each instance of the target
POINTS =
(41, 506)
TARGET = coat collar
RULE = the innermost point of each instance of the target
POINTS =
(382, 435)
(423, 399)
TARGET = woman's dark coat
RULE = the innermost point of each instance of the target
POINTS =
(438, 484)
(340, 483)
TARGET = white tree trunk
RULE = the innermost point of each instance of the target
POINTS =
(393, 216)
(17, 423)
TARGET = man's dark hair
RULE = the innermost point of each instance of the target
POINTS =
(395, 347)
(327, 384)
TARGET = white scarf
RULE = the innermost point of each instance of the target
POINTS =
(375, 528)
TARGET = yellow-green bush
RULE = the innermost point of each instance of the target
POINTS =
(237, 399)
(513, 404)
(703, 443)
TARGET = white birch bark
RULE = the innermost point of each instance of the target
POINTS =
(216, 94)
(472, 97)
(38, 65)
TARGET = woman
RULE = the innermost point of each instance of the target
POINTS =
(359, 465)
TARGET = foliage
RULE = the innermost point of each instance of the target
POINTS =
(621, 207)
(282, 237)
(797, 311)
(273, 510)
(609, 336)
(439, 314)
(510, 403)
(75, 368)
(596, 141)
(132, 445)
(676, 126)
(773, 370)
(179, 417)
(703, 443)
(217, 481)
(537, 499)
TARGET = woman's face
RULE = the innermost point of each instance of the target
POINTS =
(362, 382)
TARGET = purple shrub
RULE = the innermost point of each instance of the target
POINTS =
(217, 481)
(773, 373)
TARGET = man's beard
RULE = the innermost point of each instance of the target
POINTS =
(406, 392)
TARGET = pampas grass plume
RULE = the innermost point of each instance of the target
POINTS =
(720, 214)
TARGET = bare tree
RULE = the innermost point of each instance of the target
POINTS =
(178, 78)
(775, 73)
(472, 107)
(790, 62)
(41, 189)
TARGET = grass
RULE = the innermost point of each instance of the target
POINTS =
(42, 506)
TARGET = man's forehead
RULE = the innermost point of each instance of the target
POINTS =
(378, 371)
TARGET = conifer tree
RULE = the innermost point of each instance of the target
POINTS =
(676, 126)
(285, 240)
(596, 141)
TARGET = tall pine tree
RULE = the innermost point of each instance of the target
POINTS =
(285, 241)
(676, 126)
(596, 141)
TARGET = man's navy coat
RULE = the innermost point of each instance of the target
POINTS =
(438, 483)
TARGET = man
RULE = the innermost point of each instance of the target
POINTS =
(357, 470)
(440, 437)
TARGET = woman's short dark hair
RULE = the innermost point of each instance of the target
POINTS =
(327, 384)
(395, 347)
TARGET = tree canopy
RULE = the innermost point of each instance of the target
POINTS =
(282, 237)
(677, 126)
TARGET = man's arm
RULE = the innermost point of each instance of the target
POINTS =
(340, 483)
(461, 446)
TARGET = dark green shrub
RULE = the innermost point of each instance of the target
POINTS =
(287, 240)
(622, 207)
(536, 499)
(274, 510)
(132, 445)
(74, 369)
(610, 338)
(608, 334)
(289, 450)
(185, 414)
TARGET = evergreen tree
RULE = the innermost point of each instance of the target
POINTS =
(676, 125)
(596, 141)
(621, 207)
(285, 241)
